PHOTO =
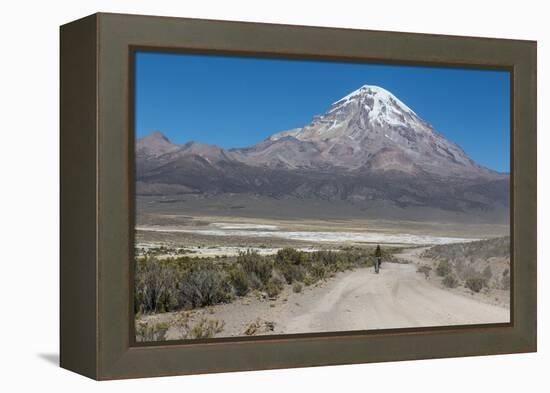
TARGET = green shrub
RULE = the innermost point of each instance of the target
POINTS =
(155, 286)
(297, 287)
(290, 256)
(255, 282)
(204, 287)
(291, 273)
(274, 287)
(450, 281)
(291, 263)
(475, 283)
(318, 272)
(254, 264)
(240, 281)
(330, 259)
(443, 268)
(308, 280)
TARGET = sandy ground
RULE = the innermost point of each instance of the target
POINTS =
(312, 236)
(500, 298)
(398, 297)
(342, 225)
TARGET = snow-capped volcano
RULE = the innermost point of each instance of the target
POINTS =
(368, 149)
(369, 129)
(371, 105)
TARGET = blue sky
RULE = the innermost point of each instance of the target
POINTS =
(239, 101)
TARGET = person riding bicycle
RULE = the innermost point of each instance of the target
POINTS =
(377, 258)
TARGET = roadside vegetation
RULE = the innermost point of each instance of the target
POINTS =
(151, 330)
(186, 283)
(161, 250)
(479, 266)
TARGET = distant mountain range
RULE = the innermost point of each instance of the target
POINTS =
(367, 147)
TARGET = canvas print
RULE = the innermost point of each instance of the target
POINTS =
(283, 196)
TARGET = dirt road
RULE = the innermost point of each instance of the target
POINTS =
(397, 297)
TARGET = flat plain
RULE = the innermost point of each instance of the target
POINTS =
(408, 292)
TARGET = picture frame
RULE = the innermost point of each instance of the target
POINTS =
(97, 188)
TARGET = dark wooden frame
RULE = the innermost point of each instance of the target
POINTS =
(97, 196)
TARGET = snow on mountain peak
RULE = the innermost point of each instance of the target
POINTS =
(377, 106)
(371, 119)
(379, 96)
(366, 105)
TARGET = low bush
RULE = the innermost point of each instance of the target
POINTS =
(424, 269)
(155, 286)
(259, 326)
(443, 268)
(240, 281)
(151, 331)
(331, 260)
(450, 281)
(291, 263)
(291, 273)
(308, 281)
(254, 264)
(475, 284)
(297, 287)
(274, 287)
(204, 287)
(290, 256)
(318, 271)
(205, 328)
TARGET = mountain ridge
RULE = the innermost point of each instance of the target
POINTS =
(367, 146)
